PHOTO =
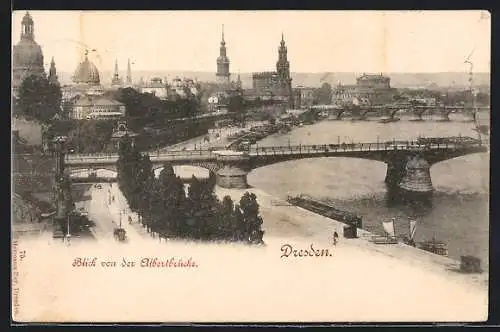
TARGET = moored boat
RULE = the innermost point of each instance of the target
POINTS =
(436, 247)
(387, 120)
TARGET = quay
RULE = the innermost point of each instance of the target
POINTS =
(359, 282)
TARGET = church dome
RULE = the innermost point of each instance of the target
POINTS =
(86, 73)
(27, 54)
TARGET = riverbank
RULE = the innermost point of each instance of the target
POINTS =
(215, 138)
(354, 281)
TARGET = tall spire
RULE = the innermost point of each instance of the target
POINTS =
(116, 76)
(222, 74)
(238, 82)
(129, 73)
(53, 72)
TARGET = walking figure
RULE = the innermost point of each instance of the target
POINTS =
(335, 238)
(129, 220)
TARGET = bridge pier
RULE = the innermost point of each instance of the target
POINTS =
(409, 178)
(395, 172)
(417, 178)
(231, 176)
(234, 170)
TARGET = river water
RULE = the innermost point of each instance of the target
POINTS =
(459, 214)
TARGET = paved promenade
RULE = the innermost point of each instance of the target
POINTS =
(357, 282)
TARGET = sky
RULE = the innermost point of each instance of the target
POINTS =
(317, 41)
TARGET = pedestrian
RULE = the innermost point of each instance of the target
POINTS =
(335, 238)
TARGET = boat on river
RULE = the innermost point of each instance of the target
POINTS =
(326, 210)
(387, 120)
(434, 246)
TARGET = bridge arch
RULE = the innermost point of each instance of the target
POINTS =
(100, 172)
(328, 172)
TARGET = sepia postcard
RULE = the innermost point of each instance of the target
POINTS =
(250, 166)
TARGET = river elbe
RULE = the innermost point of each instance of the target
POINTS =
(459, 214)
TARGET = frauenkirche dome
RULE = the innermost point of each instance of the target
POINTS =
(86, 73)
(27, 55)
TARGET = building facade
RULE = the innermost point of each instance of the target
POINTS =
(274, 85)
(369, 90)
(27, 55)
(97, 108)
(303, 96)
(155, 87)
(85, 100)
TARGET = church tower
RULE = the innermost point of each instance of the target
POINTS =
(283, 66)
(283, 71)
(53, 73)
(238, 82)
(27, 55)
(129, 73)
(223, 75)
(116, 77)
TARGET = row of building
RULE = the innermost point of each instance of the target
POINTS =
(85, 98)
(277, 85)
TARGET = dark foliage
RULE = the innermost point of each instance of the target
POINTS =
(165, 208)
(38, 99)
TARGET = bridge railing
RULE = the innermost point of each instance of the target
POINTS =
(361, 147)
(103, 156)
(419, 145)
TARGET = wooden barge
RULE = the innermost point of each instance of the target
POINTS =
(326, 210)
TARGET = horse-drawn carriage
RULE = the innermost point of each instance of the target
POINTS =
(120, 234)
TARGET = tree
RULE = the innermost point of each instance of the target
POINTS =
(172, 201)
(38, 98)
(91, 136)
(129, 174)
(253, 222)
(323, 95)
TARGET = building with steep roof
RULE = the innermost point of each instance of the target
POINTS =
(27, 55)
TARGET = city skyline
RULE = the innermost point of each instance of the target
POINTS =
(327, 41)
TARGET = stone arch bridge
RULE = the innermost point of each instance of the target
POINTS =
(361, 112)
(231, 167)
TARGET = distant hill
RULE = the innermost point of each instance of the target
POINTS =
(456, 80)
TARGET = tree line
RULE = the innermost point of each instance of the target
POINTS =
(38, 99)
(165, 209)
